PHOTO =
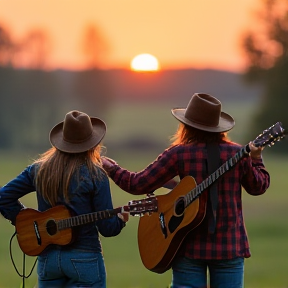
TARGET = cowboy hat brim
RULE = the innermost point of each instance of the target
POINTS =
(57, 138)
(226, 122)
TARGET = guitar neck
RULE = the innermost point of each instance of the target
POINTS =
(87, 218)
(198, 190)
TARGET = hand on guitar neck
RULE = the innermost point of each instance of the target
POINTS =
(124, 216)
(255, 152)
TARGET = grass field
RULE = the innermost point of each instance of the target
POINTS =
(266, 215)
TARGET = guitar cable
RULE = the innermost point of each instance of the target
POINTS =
(23, 276)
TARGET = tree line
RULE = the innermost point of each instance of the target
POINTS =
(32, 101)
(40, 96)
(266, 51)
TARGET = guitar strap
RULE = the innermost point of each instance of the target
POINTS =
(213, 161)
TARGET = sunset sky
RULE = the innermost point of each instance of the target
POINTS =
(185, 33)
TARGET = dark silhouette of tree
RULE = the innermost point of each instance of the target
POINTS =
(92, 87)
(35, 48)
(95, 47)
(266, 49)
(30, 52)
(7, 48)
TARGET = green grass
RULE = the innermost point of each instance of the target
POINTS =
(265, 216)
(265, 220)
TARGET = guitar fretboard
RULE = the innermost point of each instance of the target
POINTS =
(197, 191)
(86, 218)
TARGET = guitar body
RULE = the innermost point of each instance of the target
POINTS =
(161, 233)
(36, 230)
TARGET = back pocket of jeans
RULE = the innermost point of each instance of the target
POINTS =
(41, 266)
(89, 271)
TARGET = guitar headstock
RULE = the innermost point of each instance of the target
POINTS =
(269, 136)
(142, 206)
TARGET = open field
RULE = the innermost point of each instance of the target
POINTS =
(266, 215)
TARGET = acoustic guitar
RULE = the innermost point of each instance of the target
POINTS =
(36, 230)
(182, 210)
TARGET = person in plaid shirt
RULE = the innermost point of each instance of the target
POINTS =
(222, 249)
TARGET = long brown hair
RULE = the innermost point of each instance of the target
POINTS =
(186, 134)
(55, 169)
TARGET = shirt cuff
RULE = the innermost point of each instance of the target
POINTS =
(257, 162)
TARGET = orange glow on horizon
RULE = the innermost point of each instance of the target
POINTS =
(188, 36)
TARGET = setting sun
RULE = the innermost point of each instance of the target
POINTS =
(145, 62)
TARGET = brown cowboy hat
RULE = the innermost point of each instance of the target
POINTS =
(77, 133)
(204, 113)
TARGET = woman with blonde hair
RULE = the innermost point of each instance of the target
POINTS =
(71, 174)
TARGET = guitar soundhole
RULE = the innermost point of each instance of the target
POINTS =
(179, 207)
(175, 222)
(51, 227)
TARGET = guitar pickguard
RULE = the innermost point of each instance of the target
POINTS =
(163, 225)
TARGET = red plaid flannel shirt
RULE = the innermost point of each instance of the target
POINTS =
(230, 238)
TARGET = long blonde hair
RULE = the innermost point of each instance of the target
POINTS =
(186, 134)
(55, 169)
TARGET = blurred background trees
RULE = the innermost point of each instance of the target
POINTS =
(7, 47)
(95, 47)
(33, 99)
(266, 51)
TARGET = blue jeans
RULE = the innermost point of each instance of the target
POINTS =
(71, 268)
(192, 273)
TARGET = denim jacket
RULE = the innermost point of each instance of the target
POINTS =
(87, 195)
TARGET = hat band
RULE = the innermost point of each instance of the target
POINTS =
(204, 124)
(211, 121)
(77, 140)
